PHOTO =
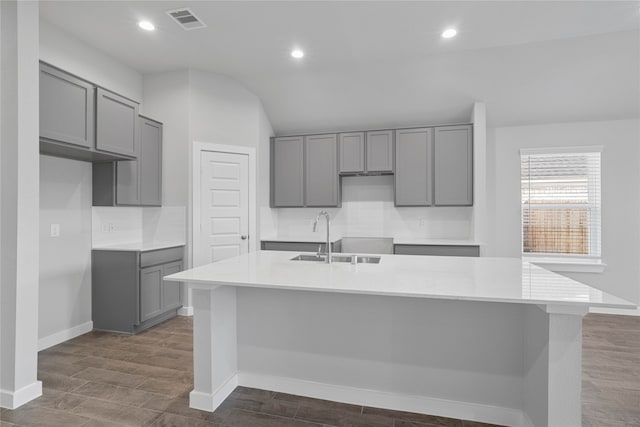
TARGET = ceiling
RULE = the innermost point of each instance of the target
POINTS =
(384, 63)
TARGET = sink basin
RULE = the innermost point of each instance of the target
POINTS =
(338, 258)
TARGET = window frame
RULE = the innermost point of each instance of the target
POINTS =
(568, 262)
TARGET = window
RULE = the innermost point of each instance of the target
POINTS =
(561, 204)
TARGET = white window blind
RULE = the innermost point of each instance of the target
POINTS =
(561, 204)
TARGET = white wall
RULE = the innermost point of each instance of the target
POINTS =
(62, 50)
(368, 211)
(620, 194)
(65, 276)
(65, 261)
(19, 154)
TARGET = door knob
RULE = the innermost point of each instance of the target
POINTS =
(243, 237)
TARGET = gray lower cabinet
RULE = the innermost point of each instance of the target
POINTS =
(453, 154)
(321, 185)
(270, 245)
(66, 108)
(134, 182)
(287, 172)
(413, 168)
(128, 293)
(437, 250)
(116, 123)
(366, 152)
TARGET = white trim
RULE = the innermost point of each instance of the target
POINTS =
(65, 335)
(185, 311)
(568, 265)
(387, 400)
(15, 399)
(210, 402)
(616, 311)
(192, 236)
(569, 149)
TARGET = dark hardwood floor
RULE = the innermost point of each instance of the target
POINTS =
(103, 379)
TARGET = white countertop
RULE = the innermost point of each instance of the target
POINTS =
(138, 246)
(436, 242)
(399, 240)
(454, 278)
(320, 237)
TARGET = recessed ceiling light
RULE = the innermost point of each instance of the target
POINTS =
(146, 25)
(448, 33)
(297, 53)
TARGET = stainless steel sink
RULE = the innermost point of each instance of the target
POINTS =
(339, 258)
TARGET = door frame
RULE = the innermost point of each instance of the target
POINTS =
(199, 148)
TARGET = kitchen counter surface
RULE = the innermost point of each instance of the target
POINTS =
(455, 278)
(139, 246)
(319, 237)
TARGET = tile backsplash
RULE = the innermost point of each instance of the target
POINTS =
(368, 211)
(118, 225)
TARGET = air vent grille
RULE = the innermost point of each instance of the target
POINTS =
(186, 19)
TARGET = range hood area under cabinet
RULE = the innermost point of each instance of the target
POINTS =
(81, 121)
(433, 166)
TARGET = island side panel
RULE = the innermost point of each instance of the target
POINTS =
(460, 359)
(215, 360)
(553, 365)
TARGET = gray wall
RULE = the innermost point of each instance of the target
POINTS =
(65, 261)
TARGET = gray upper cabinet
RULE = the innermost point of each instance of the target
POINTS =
(150, 162)
(287, 173)
(116, 124)
(380, 151)
(133, 182)
(321, 171)
(453, 154)
(66, 108)
(352, 152)
(413, 167)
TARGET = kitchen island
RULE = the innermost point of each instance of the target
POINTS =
(495, 340)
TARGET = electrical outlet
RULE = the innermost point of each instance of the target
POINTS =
(55, 230)
(421, 222)
(112, 227)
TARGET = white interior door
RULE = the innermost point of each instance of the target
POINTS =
(224, 206)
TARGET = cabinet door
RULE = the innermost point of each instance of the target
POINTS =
(127, 187)
(453, 158)
(287, 174)
(351, 148)
(321, 172)
(66, 108)
(150, 162)
(116, 124)
(171, 298)
(380, 151)
(150, 292)
(413, 170)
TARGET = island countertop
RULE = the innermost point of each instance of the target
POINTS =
(509, 280)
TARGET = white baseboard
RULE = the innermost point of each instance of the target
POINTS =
(185, 311)
(15, 399)
(210, 402)
(62, 336)
(386, 400)
(617, 311)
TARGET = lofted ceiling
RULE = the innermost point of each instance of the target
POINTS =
(383, 63)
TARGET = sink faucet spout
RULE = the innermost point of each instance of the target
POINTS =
(315, 227)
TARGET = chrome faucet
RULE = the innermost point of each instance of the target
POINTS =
(315, 227)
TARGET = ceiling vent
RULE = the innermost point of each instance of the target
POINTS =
(186, 19)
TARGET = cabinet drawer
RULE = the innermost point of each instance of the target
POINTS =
(437, 250)
(298, 246)
(161, 256)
